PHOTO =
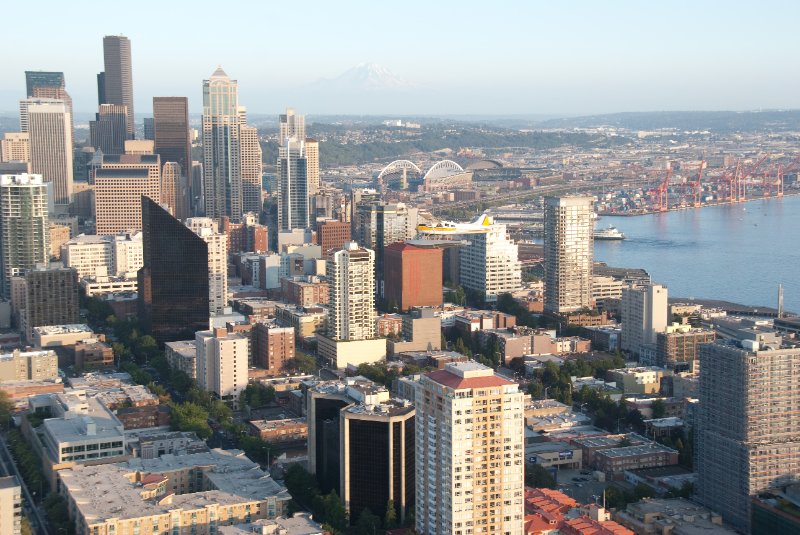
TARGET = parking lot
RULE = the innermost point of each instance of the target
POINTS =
(581, 485)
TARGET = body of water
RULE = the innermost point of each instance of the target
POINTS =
(737, 253)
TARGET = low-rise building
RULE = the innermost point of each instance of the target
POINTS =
(677, 347)
(286, 430)
(182, 355)
(422, 331)
(307, 321)
(172, 492)
(305, 291)
(273, 347)
(554, 454)
(28, 366)
(91, 353)
(675, 516)
(604, 337)
(103, 284)
(615, 461)
(662, 479)
(299, 524)
(50, 336)
(149, 444)
(388, 325)
(641, 380)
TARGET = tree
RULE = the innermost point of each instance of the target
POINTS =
(659, 408)
(6, 406)
(333, 511)
(390, 519)
(538, 476)
(220, 412)
(191, 417)
(535, 389)
(367, 523)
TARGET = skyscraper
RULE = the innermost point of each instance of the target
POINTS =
(312, 166)
(747, 429)
(49, 127)
(221, 148)
(173, 284)
(469, 452)
(293, 205)
(24, 226)
(174, 190)
(568, 254)
(291, 126)
(351, 274)
(644, 315)
(51, 297)
(118, 77)
(109, 130)
(171, 131)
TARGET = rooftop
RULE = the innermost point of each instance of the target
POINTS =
(631, 451)
(105, 491)
(74, 428)
(62, 329)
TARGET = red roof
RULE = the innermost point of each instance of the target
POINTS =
(451, 380)
(535, 524)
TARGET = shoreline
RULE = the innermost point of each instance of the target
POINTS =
(710, 205)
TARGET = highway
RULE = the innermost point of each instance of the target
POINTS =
(31, 511)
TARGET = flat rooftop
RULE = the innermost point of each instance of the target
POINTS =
(74, 429)
(62, 329)
(104, 491)
(635, 451)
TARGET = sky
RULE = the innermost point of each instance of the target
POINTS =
(483, 58)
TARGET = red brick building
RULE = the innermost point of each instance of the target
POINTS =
(412, 275)
(388, 324)
(305, 292)
(142, 417)
(243, 237)
(332, 234)
(272, 347)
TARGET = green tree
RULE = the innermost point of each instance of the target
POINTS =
(6, 406)
(536, 389)
(191, 417)
(367, 523)
(539, 477)
(220, 412)
(334, 511)
(301, 484)
(659, 408)
(390, 519)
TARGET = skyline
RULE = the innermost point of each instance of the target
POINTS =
(525, 59)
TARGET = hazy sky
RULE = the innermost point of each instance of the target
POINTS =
(525, 57)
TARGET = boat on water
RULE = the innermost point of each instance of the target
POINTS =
(610, 233)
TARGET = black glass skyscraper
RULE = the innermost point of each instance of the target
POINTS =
(173, 284)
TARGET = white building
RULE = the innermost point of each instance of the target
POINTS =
(489, 264)
(49, 125)
(568, 254)
(92, 255)
(222, 361)
(469, 452)
(207, 229)
(644, 314)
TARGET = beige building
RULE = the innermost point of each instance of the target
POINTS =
(93, 255)
(644, 315)
(60, 335)
(49, 125)
(568, 254)
(222, 363)
(28, 366)
(217, 242)
(312, 163)
(174, 191)
(140, 146)
(351, 274)
(195, 493)
(119, 184)
(15, 147)
(469, 452)
(10, 506)
(642, 380)
(422, 331)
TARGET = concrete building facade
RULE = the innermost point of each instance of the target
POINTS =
(644, 315)
(222, 363)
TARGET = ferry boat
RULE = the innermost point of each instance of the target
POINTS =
(610, 233)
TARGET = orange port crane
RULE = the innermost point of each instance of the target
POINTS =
(696, 186)
(662, 194)
(782, 171)
(740, 179)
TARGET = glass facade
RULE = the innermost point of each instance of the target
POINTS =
(173, 284)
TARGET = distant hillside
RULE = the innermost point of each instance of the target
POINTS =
(716, 121)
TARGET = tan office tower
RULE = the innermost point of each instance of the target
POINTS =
(351, 275)
(469, 452)
(119, 184)
(42, 84)
(208, 230)
(312, 166)
(222, 176)
(568, 254)
(49, 128)
(15, 147)
(251, 169)
(174, 192)
(118, 85)
(24, 226)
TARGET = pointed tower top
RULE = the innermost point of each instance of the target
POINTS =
(219, 73)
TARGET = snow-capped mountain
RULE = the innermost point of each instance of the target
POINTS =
(366, 77)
